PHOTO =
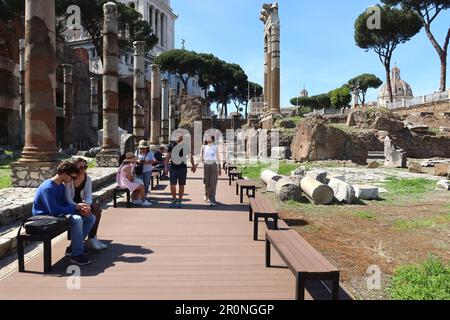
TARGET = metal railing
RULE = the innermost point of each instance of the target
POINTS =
(417, 101)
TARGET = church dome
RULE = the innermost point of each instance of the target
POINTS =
(400, 89)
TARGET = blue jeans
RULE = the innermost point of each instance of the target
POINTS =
(80, 228)
(146, 177)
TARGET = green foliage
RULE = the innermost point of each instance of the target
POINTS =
(340, 97)
(360, 84)
(428, 281)
(439, 221)
(254, 171)
(401, 187)
(92, 18)
(366, 215)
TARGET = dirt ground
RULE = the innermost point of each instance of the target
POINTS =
(389, 233)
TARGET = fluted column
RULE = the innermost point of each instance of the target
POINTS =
(38, 161)
(109, 156)
(172, 109)
(158, 27)
(68, 104)
(275, 70)
(165, 111)
(22, 91)
(266, 73)
(154, 20)
(138, 91)
(155, 112)
(94, 104)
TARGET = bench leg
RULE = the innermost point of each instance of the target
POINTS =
(237, 189)
(250, 213)
(128, 199)
(267, 253)
(115, 198)
(335, 288)
(275, 223)
(253, 193)
(229, 179)
(47, 255)
(21, 255)
(242, 195)
(255, 227)
(300, 289)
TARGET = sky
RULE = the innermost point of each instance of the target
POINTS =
(318, 50)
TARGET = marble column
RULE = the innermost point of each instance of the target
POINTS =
(138, 91)
(275, 70)
(172, 111)
(38, 161)
(158, 27)
(154, 20)
(94, 104)
(165, 111)
(155, 112)
(68, 105)
(22, 91)
(109, 156)
(266, 74)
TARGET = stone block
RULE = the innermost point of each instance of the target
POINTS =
(343, 191)
(443, 185)
(365, 192)
(442, 169)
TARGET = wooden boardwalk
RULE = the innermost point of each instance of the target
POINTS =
(197, 252)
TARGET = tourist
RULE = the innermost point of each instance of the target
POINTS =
(50, 199)
(159, 157)
(146, 159)
(80, 191)
(178, 169)
(212, 169)
(127, 180)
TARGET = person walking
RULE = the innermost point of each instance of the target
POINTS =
(212, 169)
(177, 158)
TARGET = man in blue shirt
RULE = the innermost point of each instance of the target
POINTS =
(50, 199)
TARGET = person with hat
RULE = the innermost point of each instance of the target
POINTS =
(146, 159)
(126, 180)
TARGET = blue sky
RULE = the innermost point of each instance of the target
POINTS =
(317, 43)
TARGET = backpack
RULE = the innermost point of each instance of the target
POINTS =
(39, 225)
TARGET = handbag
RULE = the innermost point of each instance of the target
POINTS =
(39, 225)
(138, 169)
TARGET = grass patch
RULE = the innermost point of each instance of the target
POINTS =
(5, 176)
(365, 215)
(441, 221)
(92, 164)
(402, 187)
(428, 281)
(253, 171)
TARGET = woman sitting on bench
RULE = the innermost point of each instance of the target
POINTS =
(127, 180)
(80, 191)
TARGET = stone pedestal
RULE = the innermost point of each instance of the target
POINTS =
(39, 153)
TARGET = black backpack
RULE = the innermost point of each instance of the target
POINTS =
(39, 225)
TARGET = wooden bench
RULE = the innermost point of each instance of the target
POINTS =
(157, 175)
(261, 208)
(247, 185)
(305, 262)
(230, 167)
(234, 175)
(119, 190)
(46, 239)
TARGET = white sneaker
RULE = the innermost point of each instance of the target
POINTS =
(206, 199)
(93, 244)
(146, 204)
(137, 202)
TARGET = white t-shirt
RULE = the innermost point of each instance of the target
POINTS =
(210, 153)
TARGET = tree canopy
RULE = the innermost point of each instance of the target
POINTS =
(397, 26)
(428, 11)
(340, 97)
(320, 101)
(360, 84)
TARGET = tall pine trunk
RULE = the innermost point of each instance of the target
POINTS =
(387, 65)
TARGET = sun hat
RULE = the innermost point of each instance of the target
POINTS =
(143, 144)
(130, 157)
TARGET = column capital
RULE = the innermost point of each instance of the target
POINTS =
(111, 14)
(139, 48)
(156, 68)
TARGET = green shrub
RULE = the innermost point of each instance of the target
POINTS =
(427, 281)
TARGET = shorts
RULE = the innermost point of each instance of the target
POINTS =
(178, 176)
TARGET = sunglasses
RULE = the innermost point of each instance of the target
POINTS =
(73, 178)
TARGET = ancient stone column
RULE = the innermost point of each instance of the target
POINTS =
(22, 91)
(94, 104)
(138, 89)
(172, 110)
(266, 72)
(38, 161)
(275, 70)
(109, 156)
(68, 104)
(155, 112)
(165, 111)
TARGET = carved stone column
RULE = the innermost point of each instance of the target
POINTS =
(22, 91)
(109, 156)
(155, 112)
(165, 111)
(172, 111)
(138, 91)
(275, 70)
(38, 161)
(68, 104)
(94, 104)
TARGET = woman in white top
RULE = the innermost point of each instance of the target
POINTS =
(146, 158)
(80, 191)
(212, 170)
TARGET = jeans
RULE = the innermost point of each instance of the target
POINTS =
(211, 175)
(80, 228)
(146, 177)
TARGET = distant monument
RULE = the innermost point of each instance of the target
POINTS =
(271, 20)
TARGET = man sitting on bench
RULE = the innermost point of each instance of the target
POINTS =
(50, 199)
